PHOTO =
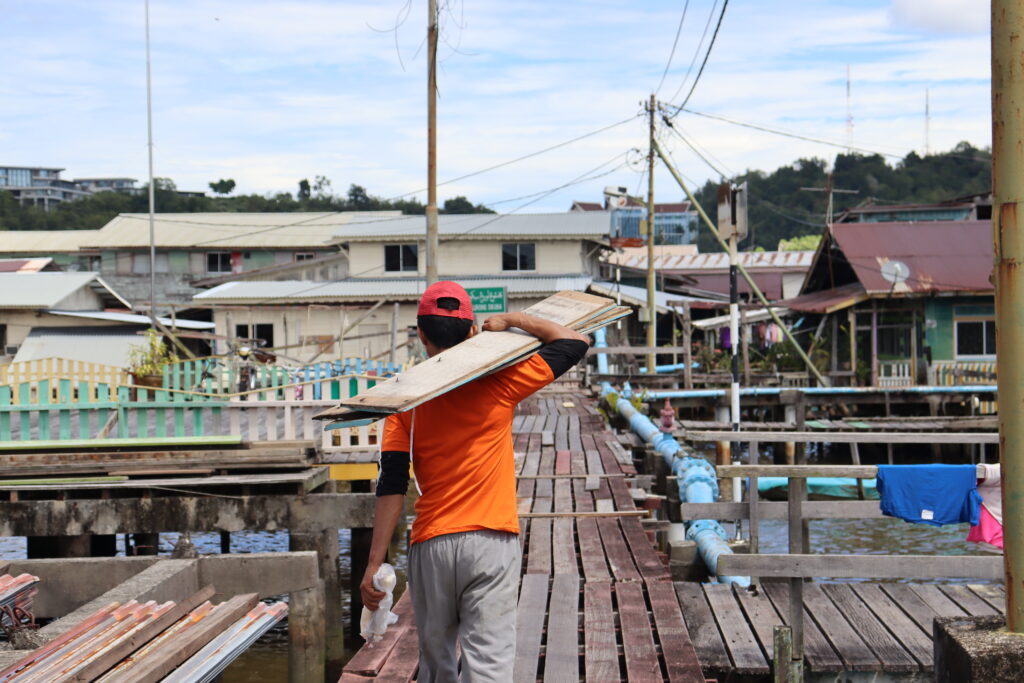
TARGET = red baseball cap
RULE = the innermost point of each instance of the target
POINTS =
(446, 298)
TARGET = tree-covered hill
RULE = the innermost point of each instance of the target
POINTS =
(95, 211)
(778, 209)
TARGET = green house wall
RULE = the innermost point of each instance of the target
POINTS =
(939, 316)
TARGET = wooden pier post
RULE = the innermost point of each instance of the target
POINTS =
(306, 646)
(325, 544)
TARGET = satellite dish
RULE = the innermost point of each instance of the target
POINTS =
(895, 272)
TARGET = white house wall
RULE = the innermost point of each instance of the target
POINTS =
(481, 257)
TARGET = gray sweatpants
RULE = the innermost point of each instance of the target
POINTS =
(465, 586)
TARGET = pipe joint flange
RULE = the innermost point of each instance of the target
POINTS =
(700, 526)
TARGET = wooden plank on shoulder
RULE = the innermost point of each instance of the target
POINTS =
(748, 660)
(472, 358)
(637, 637)
(561, 655)
(677, 649)
(533, 602)
(600, 658)
(703, 629)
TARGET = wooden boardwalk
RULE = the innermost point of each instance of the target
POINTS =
(862, 627)
(596, 600)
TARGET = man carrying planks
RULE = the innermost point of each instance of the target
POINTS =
(464, 555)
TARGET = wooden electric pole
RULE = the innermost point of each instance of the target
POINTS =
(652, 303)
(432, 241)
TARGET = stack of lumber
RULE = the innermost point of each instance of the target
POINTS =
(187, 641)
(477, 356)
(16, 594)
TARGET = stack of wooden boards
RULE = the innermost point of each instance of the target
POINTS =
(483, 354)
(192, 640)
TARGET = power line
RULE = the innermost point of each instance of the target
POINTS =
(522, 158)
(696, 80)
(694, 149)
(672, 54)
(578, 179)
(693, 60)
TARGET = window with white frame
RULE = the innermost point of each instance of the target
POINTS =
(304, 256)
(975, 338)
(519, 256)
(218, 262)
(400, 257)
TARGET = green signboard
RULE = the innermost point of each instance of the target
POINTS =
(487, 299)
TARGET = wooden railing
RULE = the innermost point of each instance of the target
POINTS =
(799, 564)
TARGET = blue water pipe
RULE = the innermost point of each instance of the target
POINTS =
(694, 476)
(671, 367)
(601, 342)
(658, 395)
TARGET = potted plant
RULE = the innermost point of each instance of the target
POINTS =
(146, 362)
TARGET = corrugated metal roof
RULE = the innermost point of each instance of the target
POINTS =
(637, 296)
(25, 265)
(107, 345)
(222, 230)
(942, 256)
(570, 225)
(44, 241)
(689, 263)
(828, 300)
(136, 319)
(359, 289)
(45, 290)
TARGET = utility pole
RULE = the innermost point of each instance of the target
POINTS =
(1008, 235)
(652, 302)
(432, 242)
(152, 190)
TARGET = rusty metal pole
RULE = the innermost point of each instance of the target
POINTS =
(1008, 234)
(432, 245)
(652, 302)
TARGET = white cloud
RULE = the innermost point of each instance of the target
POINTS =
(269, 92)
(941, 16)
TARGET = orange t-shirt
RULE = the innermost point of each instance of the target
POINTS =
(461, 445)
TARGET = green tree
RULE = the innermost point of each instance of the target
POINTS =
(800, 243)
(460, 204)
(304, 190)
(222, 186)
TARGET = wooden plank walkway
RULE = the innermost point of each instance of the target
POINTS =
(862, 627)
(596, 599)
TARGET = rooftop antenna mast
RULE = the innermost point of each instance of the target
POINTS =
(152, 194)
(927, 122)
(849, 114)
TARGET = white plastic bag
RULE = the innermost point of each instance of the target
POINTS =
(373, 624)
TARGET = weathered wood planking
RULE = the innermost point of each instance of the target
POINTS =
(852, 649)
(894, 657)
(817, 650)
(703, 629)
(637, 634)
(561, 658)
(744, 650)
(896, 621)
(533, 601)
(601, 662)
(680, 657)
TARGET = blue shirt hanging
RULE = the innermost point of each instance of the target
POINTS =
(930, 494)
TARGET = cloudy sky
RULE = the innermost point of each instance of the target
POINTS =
(269, 92)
